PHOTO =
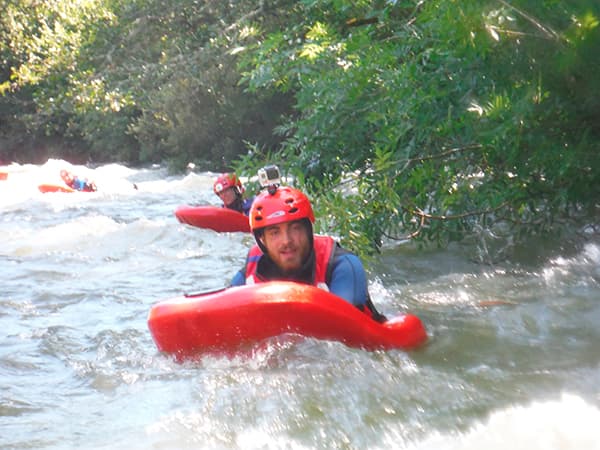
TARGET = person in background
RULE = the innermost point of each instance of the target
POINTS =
(230, 190)
(281, 219)
(79, 184)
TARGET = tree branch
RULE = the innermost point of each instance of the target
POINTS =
(549, 32)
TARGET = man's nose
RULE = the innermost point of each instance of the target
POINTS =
(285, 235)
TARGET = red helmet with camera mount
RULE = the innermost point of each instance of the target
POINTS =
(285, 204)
(226, 181)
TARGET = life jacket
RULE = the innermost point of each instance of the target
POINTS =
(324, 248)
(83, 185)
(247, 205)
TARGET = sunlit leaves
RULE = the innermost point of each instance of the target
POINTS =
(49, 35)
(430, 112)
(141, 76)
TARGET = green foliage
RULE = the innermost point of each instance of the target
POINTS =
(140, 80)
(445, 118)
(56, 93)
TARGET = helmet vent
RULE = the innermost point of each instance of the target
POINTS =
(293, 210)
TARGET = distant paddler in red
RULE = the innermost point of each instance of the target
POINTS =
(79, 184)
(228, 187)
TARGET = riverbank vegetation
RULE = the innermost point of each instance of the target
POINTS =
(429, 120)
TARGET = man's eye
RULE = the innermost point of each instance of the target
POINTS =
(273, 233)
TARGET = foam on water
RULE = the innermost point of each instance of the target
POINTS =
(567, 423)
(79, 368)
(78, 235)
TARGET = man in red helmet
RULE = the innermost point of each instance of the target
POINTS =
(230, 190)
(281, 219)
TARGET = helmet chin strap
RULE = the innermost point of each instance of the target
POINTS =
(258, 237)
(311, 234)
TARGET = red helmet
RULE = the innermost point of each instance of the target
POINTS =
(284, 205)
(227, 180)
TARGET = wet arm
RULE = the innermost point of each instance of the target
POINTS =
(349, 280)
(239, 279)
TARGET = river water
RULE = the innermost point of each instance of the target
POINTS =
(513, 359)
